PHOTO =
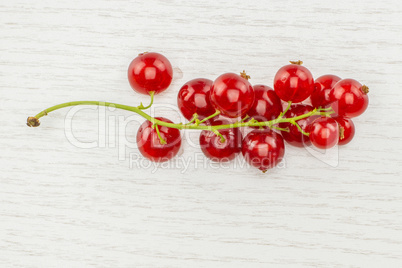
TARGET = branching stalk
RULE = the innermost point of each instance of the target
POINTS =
(34, 121)
(141, 106)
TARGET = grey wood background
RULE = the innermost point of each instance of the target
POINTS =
(62, 205)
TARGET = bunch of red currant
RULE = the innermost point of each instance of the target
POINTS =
(222, 107)
(231, 96)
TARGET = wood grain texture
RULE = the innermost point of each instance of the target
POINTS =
(65, 206)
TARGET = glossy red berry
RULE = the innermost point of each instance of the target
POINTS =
(322, 87)
(263, 149)
(267, 105)
(346, 130)
(150, 145)
(150, 72)
(232, 95)
(324, 132)
(194, 97)
(294, 136)
(349, 98)
(293, 83)
(213, 147)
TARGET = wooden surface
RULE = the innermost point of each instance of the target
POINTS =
(62, 205)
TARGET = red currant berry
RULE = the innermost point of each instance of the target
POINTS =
(267, 105)
(150, 145)
(349, 98)
(194, 97)
(263, 149)
(324, 132)
(346, 130)
(293, 83)
(294, 136)
(232, 95)
(150, 72)
(322, 87)
(213, 147)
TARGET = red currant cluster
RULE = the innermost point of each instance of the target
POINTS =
(222, 107)
(234, 99)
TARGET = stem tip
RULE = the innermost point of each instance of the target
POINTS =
(33, 122)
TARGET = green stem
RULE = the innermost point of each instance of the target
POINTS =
(287, 108)
(141, 106)
(159, 135)
(219, 135)
(33, 121)
(245, 118)
(209, 117)
(97, 103)
(195, 117)
(299, 128)
(286, 129)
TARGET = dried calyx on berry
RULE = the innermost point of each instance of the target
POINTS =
(297, 62)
